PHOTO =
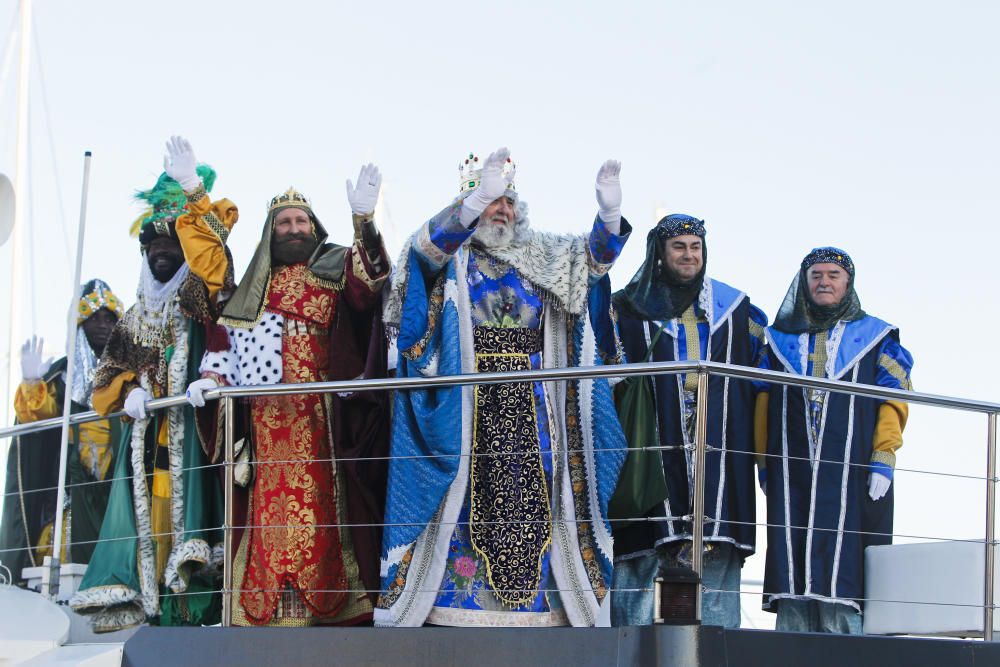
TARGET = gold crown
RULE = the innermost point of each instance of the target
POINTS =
(290, 197)
(471, 172)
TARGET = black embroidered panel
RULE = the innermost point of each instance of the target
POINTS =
(510, 514)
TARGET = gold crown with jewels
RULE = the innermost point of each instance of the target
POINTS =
(471, 172)
(290, 197)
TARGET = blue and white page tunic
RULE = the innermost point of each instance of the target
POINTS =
(819, 445)
(722, 325)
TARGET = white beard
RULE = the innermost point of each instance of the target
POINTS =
(490, 235)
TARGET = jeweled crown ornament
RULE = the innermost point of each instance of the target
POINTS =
(471, 171)
(290, 197)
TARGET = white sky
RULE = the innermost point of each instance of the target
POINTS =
(871, 126)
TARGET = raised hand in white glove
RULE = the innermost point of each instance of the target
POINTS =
(492, 185)
(196, 391)
(878, 485)
(609, 194)
(32, 366)
(180, 164)
(364, 197)
(135, 403)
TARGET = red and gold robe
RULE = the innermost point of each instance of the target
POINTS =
(307, 544)
(294, 502)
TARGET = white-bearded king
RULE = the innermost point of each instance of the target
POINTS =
(497, 503)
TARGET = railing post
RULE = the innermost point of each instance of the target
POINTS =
(698, 518)
(991, 472)
(228, 405)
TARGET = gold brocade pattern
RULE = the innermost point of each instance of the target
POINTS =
(395, 588)
(818, 356)
(295, 540)
(817, 397)
(896, 370)
(291, 613)
(581, 495)
(373, 283)
(435, 304)
(296, 291)
(510, 515)
(692, 338)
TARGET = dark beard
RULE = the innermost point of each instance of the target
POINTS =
(163, 273)
(283, 251)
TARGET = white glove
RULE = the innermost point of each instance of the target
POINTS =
(492, 185)
(878, 485)
(135, 403)
(365, 195)
(609, 194)
(196, 391)
(180, 164)
(32, 366)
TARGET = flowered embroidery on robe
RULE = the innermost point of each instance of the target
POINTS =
(295, 292)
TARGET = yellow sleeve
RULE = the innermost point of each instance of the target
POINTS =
(35, 400)
(892, 417)
(760, 428)
(109, 398)
(203, 231)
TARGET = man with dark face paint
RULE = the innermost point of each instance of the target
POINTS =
(33, 461)
(670, 311)
(165, 257)
(165, 497)
(830, 456)
(305, 311)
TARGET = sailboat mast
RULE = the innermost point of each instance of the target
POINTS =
(20, 197)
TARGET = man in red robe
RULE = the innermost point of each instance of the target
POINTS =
(305, 311)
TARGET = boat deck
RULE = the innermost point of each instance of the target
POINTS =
(694, 646)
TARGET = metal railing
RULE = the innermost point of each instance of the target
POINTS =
(700, 447)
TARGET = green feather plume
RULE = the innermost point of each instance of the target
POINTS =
(166, 199)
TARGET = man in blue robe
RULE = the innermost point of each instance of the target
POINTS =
(673, 309)
(829, 456)
(497, 502)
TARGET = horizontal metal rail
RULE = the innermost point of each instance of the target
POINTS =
(704, 369)
(540, 375)
(389, 457)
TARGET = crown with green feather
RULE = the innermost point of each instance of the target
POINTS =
(165, 202)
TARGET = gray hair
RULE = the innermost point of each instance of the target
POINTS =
(522, 225)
